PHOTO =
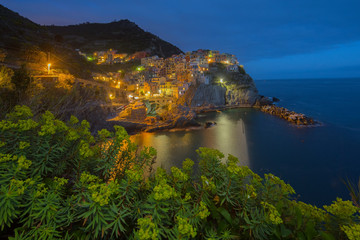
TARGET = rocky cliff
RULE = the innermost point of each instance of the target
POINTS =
(225, 88)
(208, 95)
(241, 90)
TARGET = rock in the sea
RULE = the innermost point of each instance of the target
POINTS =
(209, 124)
(275, 99)
(290, 116)
(263, 101)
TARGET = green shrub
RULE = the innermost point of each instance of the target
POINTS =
(59, 182)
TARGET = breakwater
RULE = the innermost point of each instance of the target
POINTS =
(290, 116)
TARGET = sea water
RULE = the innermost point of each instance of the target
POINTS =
(314, 160)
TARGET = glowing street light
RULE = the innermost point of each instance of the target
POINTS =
(49, 65)
(221, 80)
(140, 68)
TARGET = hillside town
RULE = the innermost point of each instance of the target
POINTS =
(162, 78)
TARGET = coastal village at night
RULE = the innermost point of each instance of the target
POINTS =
(159, 77)
(108, 131)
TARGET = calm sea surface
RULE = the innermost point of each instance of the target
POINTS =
(313, 160)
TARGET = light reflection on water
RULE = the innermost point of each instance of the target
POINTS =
(313, 160)
(228, 136)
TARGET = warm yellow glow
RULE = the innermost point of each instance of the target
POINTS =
(111, 96)
(49, 65)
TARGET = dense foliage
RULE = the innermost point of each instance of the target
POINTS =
(13, 84)
(59, 182)
(62, 96)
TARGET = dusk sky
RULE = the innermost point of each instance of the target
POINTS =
(272, 39)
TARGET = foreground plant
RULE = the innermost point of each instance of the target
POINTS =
(60, 182)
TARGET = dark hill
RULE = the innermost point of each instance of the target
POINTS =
(124, 36)
(17, 31)
(23, 41)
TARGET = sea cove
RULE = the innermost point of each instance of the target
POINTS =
(307, 157)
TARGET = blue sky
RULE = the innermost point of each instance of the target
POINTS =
(272, 39)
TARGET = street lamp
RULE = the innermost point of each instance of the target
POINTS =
(49, 65)
(221, 80)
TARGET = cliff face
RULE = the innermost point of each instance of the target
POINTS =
(209, 94)
(236, 89)
(241, 90)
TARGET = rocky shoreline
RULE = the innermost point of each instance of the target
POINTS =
(236, 90)
(212, 108)
(135, 118)
(185, 117)
(298, 119)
